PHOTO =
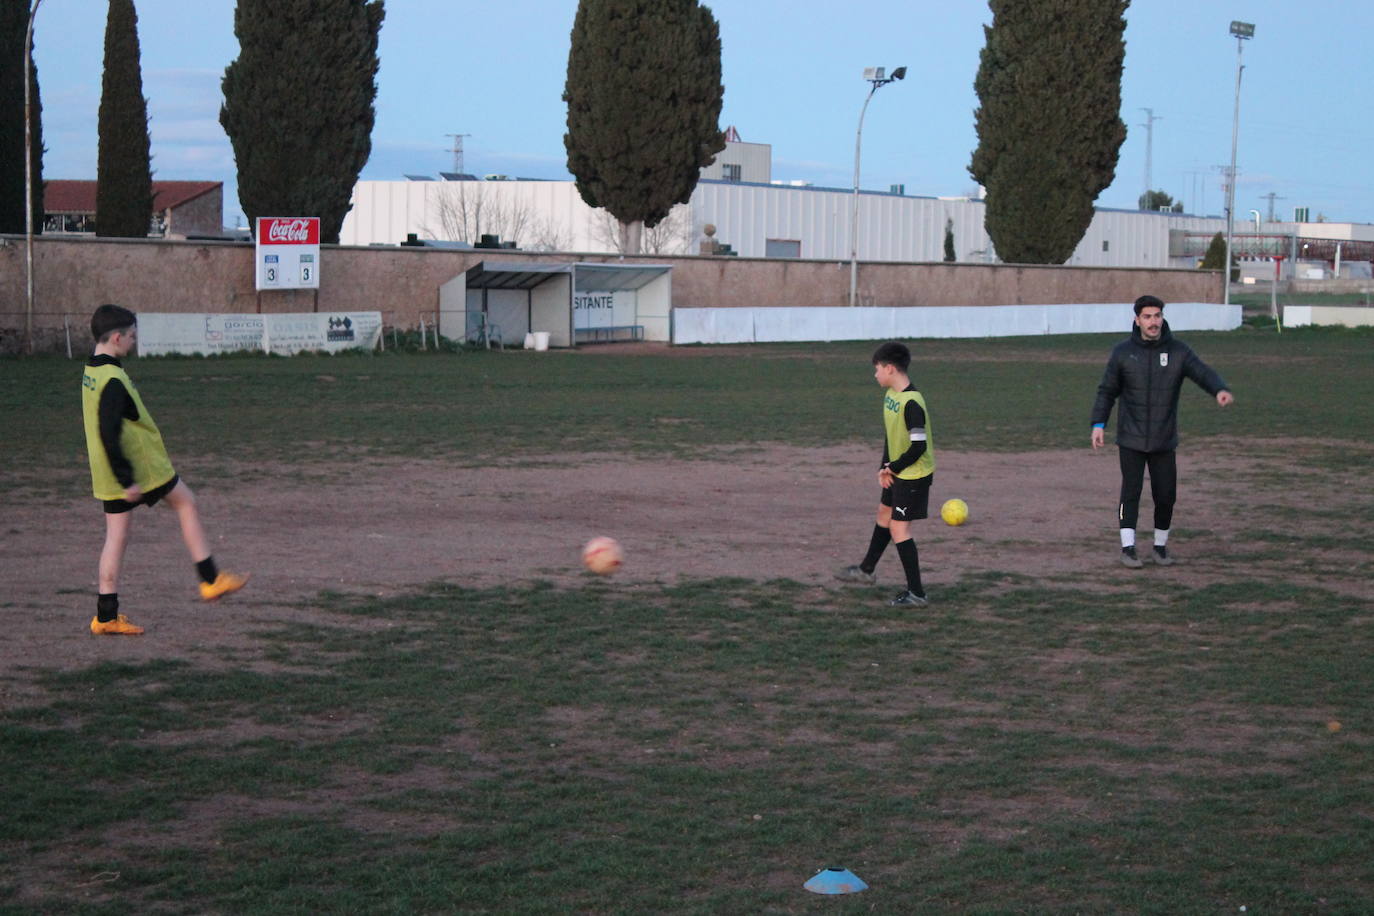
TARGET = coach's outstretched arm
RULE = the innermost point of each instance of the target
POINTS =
(1207, 378)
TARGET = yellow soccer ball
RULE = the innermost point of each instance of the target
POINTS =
(954, 512)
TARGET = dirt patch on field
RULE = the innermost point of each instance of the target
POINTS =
(378, 527)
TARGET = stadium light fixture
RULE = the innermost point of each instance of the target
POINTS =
(878, 77)
(1242, 31)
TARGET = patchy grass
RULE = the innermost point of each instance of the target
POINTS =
(708, 747)
(1007, 394)
(1027, 744)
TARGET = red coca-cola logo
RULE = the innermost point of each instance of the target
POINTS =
(297, 230)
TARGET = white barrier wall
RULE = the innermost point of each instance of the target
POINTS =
(283, 334)
(1297, 316)
(765, 325)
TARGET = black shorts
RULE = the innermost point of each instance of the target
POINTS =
(909, 499)
(116, 506)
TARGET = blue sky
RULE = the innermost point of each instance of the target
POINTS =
(793, 78)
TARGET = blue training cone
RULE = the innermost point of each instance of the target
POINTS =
(835, 881)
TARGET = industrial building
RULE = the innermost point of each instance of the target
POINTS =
(739, 209)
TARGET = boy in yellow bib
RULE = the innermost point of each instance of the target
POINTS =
(130, 467)
(905, 475)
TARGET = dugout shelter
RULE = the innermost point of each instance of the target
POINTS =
(571, 302)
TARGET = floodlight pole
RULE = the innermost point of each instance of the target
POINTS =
(1242, 31)
(878, 77)
(28, 176)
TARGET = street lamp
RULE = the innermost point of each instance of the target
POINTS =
(878, 77)
(28, 174)
(1242, 31)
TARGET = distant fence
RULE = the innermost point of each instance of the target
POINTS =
(73, 275)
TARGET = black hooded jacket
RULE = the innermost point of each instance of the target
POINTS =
(1147, 375)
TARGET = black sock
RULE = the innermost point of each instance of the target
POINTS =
(876, 546)
(208, 571)
(911, 563)
(107, 607)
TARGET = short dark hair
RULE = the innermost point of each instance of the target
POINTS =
(110, 318)
(893, 353)
(1149, 302)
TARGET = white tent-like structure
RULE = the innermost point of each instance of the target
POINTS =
(571, 302)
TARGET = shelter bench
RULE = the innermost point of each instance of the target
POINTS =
(612, 332)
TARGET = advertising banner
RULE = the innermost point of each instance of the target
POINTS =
(283, 334)
(287, 254)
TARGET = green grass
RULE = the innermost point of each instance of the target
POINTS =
(1261, 301)
(1007, 394)
(708, 747)
(1026, 745)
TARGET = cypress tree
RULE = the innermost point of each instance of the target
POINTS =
(298, 105)
(1215, 257)
(14, 23)
(644, 98)
(124, 176)
(949, 240)
(1049, 125)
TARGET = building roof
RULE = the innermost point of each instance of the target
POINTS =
(587, 276)
(62, 196)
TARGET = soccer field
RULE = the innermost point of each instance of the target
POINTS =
(421, 703)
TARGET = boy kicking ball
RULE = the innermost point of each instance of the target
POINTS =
(130, 467)
(907, 471)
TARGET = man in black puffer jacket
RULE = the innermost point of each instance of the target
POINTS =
(1146, 372)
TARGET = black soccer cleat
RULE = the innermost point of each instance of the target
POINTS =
(1129, 558)
(1161, 556)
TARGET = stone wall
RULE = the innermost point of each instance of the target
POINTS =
(73, 275)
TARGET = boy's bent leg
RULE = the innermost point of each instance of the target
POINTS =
(214, 584)
(877, 543)
(183, 502)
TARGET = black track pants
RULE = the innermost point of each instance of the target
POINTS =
(1163, 485)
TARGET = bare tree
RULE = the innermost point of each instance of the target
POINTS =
(468, 210)
(546, 236)
(672, 235)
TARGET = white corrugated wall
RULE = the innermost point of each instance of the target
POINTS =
(746, 216)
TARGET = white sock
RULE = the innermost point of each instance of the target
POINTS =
(1161, 537)
(1127, 537)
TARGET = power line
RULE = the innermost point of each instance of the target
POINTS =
(457, 151)
(1271, 197)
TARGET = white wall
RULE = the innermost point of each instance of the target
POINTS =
(550, 306)
(551, 215)
(656, 306)
(759, 325)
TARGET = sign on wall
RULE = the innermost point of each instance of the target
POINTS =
(288, 252)
(604, 309)
(283, 334)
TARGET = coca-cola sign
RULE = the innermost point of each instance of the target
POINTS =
(288, 230)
